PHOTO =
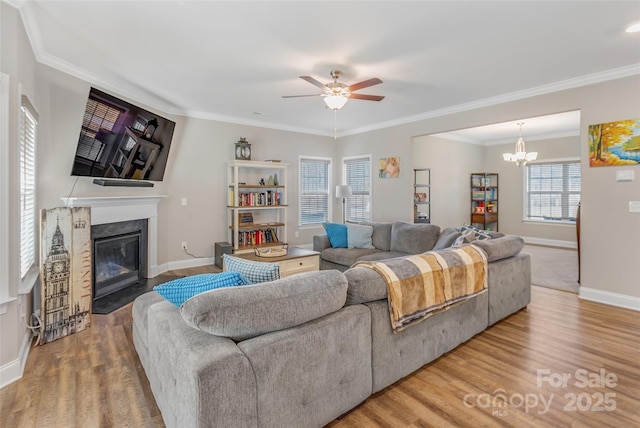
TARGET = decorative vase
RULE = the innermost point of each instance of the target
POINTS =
(275, 179)
(271, 180)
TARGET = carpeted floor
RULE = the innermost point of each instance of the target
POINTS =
(553, 267)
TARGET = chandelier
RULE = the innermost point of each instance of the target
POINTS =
(520, 157)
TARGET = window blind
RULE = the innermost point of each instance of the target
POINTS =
(357, 174)
(28, 138)
(314, 190)
(553, 191)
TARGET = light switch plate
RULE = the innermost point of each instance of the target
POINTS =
(634, 206)
(625, 175)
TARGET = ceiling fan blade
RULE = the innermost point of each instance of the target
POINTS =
(364, 84)
(298, 96)
(367, 97)
(313, 81)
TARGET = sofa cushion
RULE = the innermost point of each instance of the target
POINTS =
(359, 236)
(337, 234)
(413, 238)
(365, 285)
(252, 270)
(181, 289)
(500, 248)
(447, 237)
(244, 312)
(380, 255)
(345, 256)
(381, 238)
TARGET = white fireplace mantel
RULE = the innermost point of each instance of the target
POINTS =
(112, 209)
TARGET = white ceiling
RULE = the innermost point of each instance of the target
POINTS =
(233, 60)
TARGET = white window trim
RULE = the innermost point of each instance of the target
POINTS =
(331, 196)
(5, 230)
(525, 219)
(30, 278)
(343, 178)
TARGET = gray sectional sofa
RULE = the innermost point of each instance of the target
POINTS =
(303, 350)
(388, 240)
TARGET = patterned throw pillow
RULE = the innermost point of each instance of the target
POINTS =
(337, 234)
(180, 290)
(253, 271)
(467, 229)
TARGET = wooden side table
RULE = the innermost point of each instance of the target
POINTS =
(297, 260)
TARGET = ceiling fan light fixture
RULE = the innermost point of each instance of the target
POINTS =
(335, 102)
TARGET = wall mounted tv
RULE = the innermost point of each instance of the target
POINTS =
(121, 143)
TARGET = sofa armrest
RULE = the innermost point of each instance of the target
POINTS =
(198, 380)
(320, 242)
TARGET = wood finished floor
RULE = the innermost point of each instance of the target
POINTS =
(94, 378)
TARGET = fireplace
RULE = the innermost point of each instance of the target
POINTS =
(119, 255)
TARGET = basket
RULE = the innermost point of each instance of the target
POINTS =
(271, 252)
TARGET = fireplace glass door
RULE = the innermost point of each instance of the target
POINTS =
(116, 262)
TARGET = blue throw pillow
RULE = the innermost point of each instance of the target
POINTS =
(337, 234)
(180, 290)
(253, 271)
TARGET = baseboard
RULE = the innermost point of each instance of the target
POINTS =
(189, 263)
(609, 298)
(13, 370)
(550, 242)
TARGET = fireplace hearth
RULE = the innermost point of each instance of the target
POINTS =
(119, 256)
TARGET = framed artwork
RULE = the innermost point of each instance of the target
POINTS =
(615, 143)
(389, 167)
(65, 272)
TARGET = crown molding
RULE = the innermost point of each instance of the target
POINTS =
(589, 79)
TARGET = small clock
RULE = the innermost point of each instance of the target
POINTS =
(58, 267)
(243, 149)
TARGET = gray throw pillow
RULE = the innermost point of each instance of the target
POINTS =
(447, 238)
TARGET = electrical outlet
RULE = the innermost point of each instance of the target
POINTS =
(183, 245)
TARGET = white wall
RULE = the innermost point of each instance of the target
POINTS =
(449, 179)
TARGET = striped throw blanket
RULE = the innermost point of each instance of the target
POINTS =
(422, 285)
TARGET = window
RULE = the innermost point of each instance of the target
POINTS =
(5, 190)
(28, 138)
(553, 191)
(315, 185)
(356, 172)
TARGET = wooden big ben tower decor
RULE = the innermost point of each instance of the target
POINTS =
(65, 270)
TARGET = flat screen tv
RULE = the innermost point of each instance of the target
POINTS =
(121, 141)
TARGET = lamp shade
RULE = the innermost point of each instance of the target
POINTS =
(343, 191)
(335, 102)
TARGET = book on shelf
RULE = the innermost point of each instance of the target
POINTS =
(259, 199)
(245, 218)
(257, 237)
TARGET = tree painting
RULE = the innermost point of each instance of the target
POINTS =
(615, 143)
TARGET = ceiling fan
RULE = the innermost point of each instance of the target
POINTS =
(336, 93)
